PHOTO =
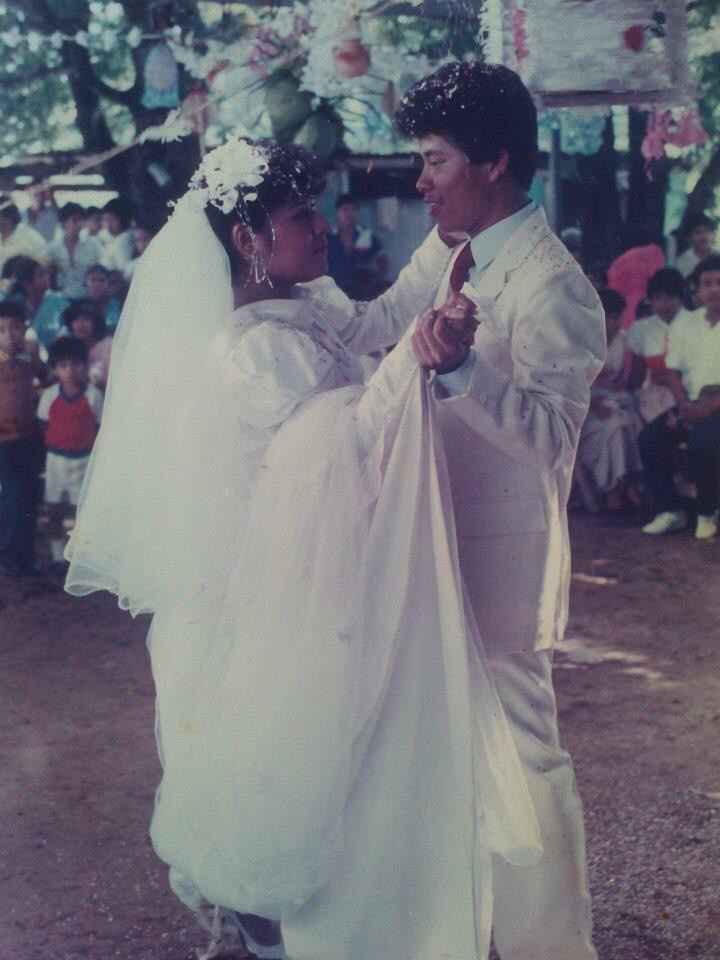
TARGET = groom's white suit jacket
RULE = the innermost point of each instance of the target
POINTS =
(511, 435)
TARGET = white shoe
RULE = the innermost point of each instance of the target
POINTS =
(706, 527)
(667, 522)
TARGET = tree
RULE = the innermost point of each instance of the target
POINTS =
(85, 60)
(73, 74)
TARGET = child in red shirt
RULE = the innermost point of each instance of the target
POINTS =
(70, 412)
(20, 446)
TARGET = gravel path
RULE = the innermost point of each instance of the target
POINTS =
(639, 695)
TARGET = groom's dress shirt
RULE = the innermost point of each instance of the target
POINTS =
(484, 247)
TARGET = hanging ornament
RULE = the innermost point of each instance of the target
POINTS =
(161, 78)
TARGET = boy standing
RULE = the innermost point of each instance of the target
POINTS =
(70, 412)
(20, 448)
(693, 377)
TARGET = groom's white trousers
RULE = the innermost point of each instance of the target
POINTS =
(542, 912)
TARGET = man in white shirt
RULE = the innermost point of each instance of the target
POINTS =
(16, 237)
(702, 244)
(693, 377)
(73, 254)
(510, 408)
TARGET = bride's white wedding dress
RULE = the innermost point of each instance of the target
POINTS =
(335, 757)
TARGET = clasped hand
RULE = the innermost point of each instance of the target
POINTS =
(443, 336)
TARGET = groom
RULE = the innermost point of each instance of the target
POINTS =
(510, 409)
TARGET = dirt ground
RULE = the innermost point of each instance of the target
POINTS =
(639, 695)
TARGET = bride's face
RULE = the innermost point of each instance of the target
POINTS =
(294, 244)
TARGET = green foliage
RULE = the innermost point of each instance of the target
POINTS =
(704, 20)
(36, 101)
(457, 36)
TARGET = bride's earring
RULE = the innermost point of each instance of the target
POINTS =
(258, 268)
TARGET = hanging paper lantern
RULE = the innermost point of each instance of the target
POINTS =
(161, 79)
(580, 52)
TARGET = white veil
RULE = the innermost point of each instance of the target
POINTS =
(156, 497)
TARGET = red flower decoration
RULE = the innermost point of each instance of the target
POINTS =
(352, 59)
(634, 38)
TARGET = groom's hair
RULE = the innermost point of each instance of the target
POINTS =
(482, 108)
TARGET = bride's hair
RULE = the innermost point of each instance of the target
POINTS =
(294, 176)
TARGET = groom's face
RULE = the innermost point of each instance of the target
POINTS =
(458, 193)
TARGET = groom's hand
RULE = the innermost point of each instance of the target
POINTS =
(443, 337)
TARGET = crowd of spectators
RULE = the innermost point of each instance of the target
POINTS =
(649, 450)
(64, 276)
(650, 447)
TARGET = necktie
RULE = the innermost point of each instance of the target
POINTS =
(461, 268)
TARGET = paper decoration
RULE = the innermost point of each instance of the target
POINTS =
(161, 80)
(595, 52)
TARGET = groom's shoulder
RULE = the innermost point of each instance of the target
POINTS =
(550, 264)
(550, 257)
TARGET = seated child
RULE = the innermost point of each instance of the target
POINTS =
(608, 452)
(20, 446)
(70, 412)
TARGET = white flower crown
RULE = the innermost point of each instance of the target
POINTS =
(229, 173)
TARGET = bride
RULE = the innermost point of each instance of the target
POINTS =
(335, 758)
